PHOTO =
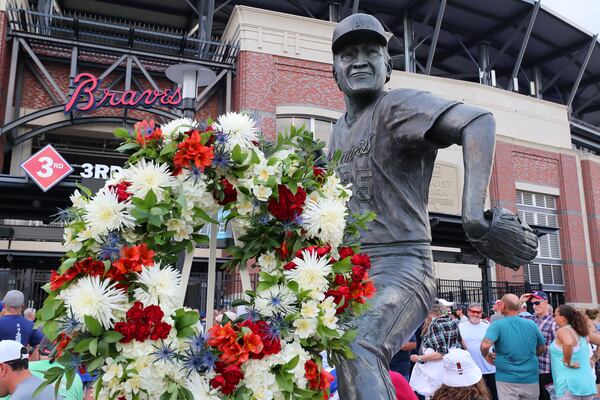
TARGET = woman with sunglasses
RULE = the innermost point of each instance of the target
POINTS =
(570, 353)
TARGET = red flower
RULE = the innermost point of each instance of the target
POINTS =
(89, 266)
(135, 313)
(127, 330)
(283, 250)
(358, 273)
(318, 173)
(121, 191)
(142, 332)
(345, 252)
(133, 258)
(160, 331)
(63, 340)
(290, 265)
(229, 192)
(317, 380)
(271, 344)
(362, 259)
(228, 378)
(233, 353)
(191, 152)
(57, 281)
(153, 314)
(311, 370)
(287, 206)
(220, 335)
(252, 343)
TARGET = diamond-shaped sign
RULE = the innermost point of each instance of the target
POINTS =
(47, 167)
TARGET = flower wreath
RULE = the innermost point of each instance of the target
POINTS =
(114, 305)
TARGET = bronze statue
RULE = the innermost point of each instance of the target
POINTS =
(389, 143)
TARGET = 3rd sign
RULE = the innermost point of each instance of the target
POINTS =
(47, 167)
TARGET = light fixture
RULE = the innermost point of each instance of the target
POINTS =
(190, 77)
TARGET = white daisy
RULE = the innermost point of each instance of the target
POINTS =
(275, 300)
(172, 129)
(240, 129)
(325, 219)
(97, 298)
(310, 273)
(105, 213)
(305, 327)
(160, 286)
(145, 176)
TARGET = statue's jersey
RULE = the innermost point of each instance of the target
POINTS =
(389, 162)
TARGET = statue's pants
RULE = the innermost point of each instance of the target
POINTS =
(403, 276)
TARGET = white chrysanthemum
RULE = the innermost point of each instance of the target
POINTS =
(240, 129)
(97, 298)
(161, 286)
(175, 127)
(104, 213)
(145, 176)
(267, 261)
(262, 193)
(182, 229)
(305, 327)
(77, 199)
(325, 219)
(275, 300)
(310, 273)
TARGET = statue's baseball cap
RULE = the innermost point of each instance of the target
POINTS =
(538, 294)
(364, 25)
(14, 298)
(11, 350)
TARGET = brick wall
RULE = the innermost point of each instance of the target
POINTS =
(5, 48)
(591, 185)
(514, 163)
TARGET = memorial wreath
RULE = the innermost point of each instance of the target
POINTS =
(114, 306)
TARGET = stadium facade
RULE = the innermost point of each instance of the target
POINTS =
(538, 73)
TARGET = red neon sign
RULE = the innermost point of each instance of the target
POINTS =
(84, 96)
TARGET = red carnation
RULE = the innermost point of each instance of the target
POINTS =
(142, 332)
(161, 331)
(362, 259)
(125, 329)
(358, 273)
(287, 206)
(228, 378)
(345, 252)
(230, 194)
(121, 191)
(153, 314)
(136, 312)
(89, 266)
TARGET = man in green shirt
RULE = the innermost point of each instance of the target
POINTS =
(517, 342)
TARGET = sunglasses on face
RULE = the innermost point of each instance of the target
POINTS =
(536, 303)
(475, 311)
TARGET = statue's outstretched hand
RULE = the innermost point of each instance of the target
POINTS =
(509, 241)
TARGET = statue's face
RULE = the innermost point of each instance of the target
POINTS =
(361, 68)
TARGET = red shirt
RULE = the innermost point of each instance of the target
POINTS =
(403, 389)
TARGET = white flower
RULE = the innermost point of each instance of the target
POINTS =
(329, 320)
(263, 172)
(97, 298)
(262, 393)
(245, 207)
(267, 261)
(328, 305)
(334, 188)
(77, 199)
(240, 129)
(305, 327)
(275, 300)
(262, 193)
(104, 213)
(310, 309)
(145, 176)
(70, 242)
(182, 230)
(113, 372)
(175, 127)
(310, 273)
(325, 219)
(162, 286)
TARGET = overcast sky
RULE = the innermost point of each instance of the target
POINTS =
(585, 13)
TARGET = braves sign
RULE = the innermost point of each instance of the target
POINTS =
(88, 96)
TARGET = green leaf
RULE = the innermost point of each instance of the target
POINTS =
(188, 319)
(158, 211)
(127, 146)
(291, 364)
(95, 364)
(121, 133)
(93, 326)
(93, 346)
(68, 263)
(48, 311)
(112, 336)
(342, 266)
(70, 377)
(82, 345)
(103, 348)
(169, 149)
(202, 214)
(84, 189)
(150, 199)
(285, 382)
(51, 330)
(185, 332)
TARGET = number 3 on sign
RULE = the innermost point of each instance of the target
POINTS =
(47, 164)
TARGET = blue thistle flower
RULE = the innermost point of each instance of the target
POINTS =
(209, 359)
(298, 219)
(64, 215)
(276, 325)
(221, 159)
(69, 324)
(197, 342)
(194, 361)
(263, 219)
(164, 352)
(221, 137)
(252, 315)
(111, 248)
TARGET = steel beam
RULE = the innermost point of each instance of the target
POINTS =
(43, 70)
(409, 59)
(44, 84)
(536, 9)
(128, 73)
(355, 4)
(436, 35)
(537, 81)
(586, 60)
(73, 69)
(145, 72)
(508, 42)
(112, 67)
(561, 71)
(12, 79)
(588, 102)
(203, 97)
(484, 63)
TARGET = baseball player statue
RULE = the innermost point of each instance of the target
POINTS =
(388, 143)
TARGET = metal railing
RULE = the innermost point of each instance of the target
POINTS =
(118, 35)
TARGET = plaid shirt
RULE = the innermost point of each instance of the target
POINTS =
(442, 335)
(548, 328)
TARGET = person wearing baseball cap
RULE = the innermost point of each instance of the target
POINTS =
(15, 378)
(13, 326)
(462, 378)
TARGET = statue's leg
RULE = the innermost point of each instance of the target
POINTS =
(406, 289)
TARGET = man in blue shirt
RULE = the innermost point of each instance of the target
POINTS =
(14, 327)
(517, 342)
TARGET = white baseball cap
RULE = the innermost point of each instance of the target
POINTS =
(11, 350)
(459, 369)
(445, 303)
